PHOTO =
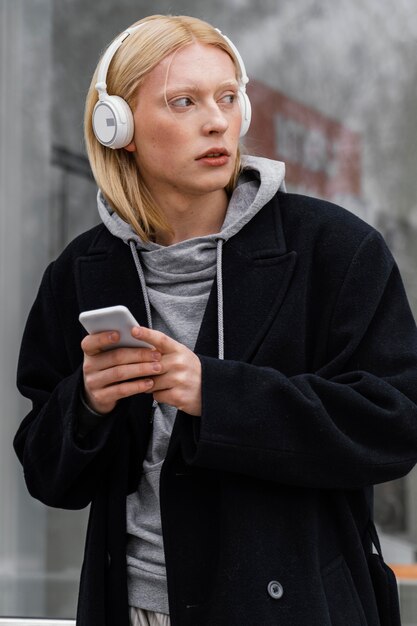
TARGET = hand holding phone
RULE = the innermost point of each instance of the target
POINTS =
(112, 318)
(170, 370)
(110, 371)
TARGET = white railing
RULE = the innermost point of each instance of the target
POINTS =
(408, 601)
(29, 621)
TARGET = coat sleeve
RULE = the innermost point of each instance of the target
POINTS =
(351, 423)
(61, 468)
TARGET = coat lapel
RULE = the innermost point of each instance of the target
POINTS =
(257, 270)
(107, 276)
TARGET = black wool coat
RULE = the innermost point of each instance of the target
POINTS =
(264, 498)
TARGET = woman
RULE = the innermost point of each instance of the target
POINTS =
(229, 469)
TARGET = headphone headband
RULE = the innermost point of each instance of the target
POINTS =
(243, 76)
(101, 85)
(113, 123)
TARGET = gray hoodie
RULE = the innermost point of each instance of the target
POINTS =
(176, 281)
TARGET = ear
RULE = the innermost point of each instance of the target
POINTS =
(131, 147)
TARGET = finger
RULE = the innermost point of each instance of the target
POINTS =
(170, 379)
(120, 373)
(179, 368)
(160, 341)
(93, 344)
(162, 397)
(174, 397)
(120, 356)
(109, 396)
(180, 399)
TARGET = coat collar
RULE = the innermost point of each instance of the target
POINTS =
(107, 276)
(257, 269)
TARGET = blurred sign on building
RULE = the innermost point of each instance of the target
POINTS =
(322, 156)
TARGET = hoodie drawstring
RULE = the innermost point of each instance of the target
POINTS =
(141, 275)
(142, 280)
(220, 325)
(219, 275)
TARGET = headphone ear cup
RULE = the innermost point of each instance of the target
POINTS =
(246, 110)
(113, 122)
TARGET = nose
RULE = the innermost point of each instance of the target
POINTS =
(215, 121)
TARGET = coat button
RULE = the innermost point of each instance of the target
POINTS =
(275, 589)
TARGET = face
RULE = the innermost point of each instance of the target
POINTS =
(187, 123)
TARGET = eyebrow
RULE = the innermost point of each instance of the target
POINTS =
(194, 88)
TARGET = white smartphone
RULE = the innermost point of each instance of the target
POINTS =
(113, 318)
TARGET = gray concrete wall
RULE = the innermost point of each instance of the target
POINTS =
(25, 131)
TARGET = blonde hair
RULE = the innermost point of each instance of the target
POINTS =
(115, 171)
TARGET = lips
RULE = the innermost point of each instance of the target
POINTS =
(214, 153)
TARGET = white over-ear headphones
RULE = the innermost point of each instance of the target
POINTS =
(112, 117)
(243, 99)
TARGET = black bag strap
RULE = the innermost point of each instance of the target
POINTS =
(383, 578)
(374, 537)
(368, 494)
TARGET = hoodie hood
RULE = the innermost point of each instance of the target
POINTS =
(258, 182)
(176, 280)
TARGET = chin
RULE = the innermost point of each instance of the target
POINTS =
(216, 180)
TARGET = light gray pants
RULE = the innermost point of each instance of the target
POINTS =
(139, 617)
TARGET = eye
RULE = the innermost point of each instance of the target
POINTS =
(229, 98)
(182, 102)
